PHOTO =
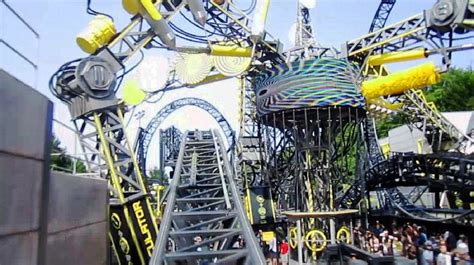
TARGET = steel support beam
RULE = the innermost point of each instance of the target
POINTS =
(204, 219)
(381, 15)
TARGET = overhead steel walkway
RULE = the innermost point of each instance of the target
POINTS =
(204, 218)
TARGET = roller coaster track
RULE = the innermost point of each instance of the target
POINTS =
(438, 172)
(354, 194)
(416, 193)
(438, 130)
(401, 205)
(204, 216)
(147, 134)
(381, 15)
(434, 125)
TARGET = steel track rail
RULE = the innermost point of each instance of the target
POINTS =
(204, 217)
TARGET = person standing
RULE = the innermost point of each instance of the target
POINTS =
(262, 244)
(284, 252)
(260, 237)
(444, 257)
(450, 241)
(427, 256)
(273, 247)
(201, 248)
(168, 170)
(462, 254)
(397, 245)
(378, 228)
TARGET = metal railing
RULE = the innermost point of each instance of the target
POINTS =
(76, 156)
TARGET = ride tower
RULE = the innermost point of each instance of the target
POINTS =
(312, 112)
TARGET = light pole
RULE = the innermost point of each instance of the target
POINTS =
(139, 115)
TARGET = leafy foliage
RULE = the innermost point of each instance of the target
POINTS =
(156, 175)
(60, 161)
(455, 92)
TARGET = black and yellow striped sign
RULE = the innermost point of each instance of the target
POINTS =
(261, 205)
(132, 244)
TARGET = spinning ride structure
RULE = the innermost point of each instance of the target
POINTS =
(311, 122)
(312, 105)
(317, 111)
(312, 115)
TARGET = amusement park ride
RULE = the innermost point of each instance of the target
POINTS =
(306, 127)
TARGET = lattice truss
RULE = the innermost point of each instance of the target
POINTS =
(170, 141)
(249, 147)
(204, 219)
(106, 147)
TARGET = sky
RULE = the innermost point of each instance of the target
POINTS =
(59, 21)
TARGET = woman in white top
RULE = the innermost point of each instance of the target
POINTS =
(443, 258)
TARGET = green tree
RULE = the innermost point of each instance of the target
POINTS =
(62, 162)
(455, 92)
(156, 176)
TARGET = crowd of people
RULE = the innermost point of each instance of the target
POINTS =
(409, 241)
(415, 243)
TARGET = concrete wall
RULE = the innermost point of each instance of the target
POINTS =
(25, 130)
(77, 220)
(44, 218)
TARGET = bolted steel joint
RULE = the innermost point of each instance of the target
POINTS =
(447, 15)
(442, 13)
(96, 77)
